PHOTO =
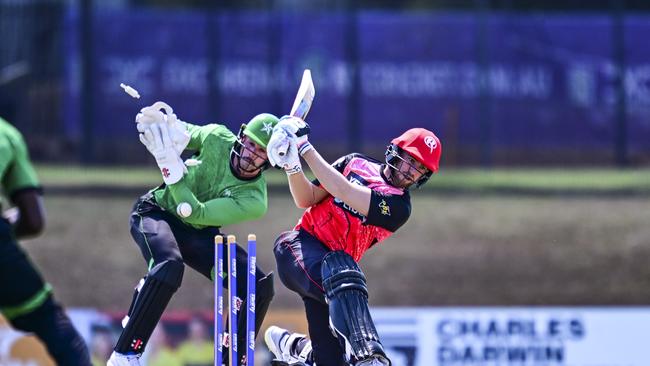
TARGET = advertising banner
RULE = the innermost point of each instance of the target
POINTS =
(518, 336)
(454, 336)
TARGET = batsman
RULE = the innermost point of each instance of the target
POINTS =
(174, 225)
(351, 206)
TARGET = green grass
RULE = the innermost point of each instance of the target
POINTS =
(462, 180)
(59, 175)
(596, 180)
(146, 176)
(454, 250)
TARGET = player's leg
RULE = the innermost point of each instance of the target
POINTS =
(27, 303)
(299, 257)
(154, 236)
(347, 297)
(52, 326)
(326, 347)
(198, 252)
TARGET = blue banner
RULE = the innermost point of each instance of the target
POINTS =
(522, 83)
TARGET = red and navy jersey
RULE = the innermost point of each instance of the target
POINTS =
(340, 227)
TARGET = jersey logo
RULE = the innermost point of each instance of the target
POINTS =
(431, 143)
(347, 207)
(353, 178)
(136, 344)
(165, 172)
(357, 179)
(226, 193)
(384, 208)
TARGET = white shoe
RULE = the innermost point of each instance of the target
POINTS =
(118, 359)
(280, 342)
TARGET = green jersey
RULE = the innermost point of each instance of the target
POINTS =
(16, 170)
(216, 195)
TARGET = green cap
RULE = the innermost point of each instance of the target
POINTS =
(260, 128)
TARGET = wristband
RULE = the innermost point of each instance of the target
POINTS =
(295, 170)
(306, 146)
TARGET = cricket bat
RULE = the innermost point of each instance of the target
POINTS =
(302, 103)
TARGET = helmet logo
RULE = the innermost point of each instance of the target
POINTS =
(431, 143)
(268, 127)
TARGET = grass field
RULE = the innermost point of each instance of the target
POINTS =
(455, 250)
(589, 181)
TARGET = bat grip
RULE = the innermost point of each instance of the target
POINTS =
(282, 150)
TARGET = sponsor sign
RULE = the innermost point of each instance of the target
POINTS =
(518, 336)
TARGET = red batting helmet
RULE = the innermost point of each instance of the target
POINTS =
(423, 145)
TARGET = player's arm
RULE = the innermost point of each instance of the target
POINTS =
(388, 211)
(197, 135)
(220, 211)
(305, 194)
(31, 213)
(182, 135)
(292, 132)
(354, 195)
(24, 191)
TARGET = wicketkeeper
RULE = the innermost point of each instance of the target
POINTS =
(25, 298)
(175, 224)
(352, 205)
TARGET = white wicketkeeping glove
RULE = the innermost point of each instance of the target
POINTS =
(289, 161)
(297, 127)
(158, 141)
(153, 114)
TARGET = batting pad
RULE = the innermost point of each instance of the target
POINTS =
(149, 303)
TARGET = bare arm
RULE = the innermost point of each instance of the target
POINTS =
(305, 193)
(31, 218)
(356, 196)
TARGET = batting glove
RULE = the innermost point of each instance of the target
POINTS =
(289, 159)
(297, 127)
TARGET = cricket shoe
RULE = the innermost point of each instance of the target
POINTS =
(288, 348)
(118, 359)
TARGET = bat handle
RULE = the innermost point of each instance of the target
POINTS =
(282, 149)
